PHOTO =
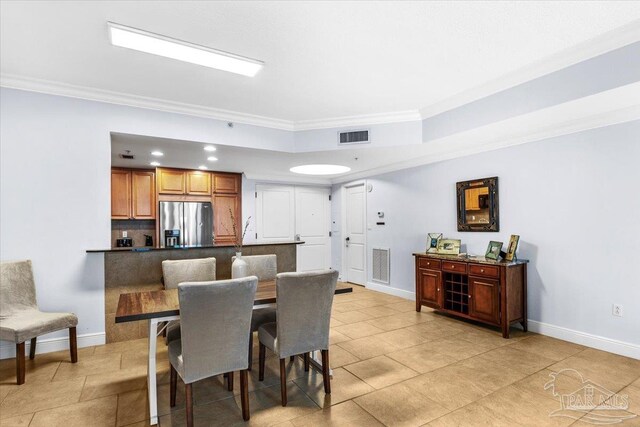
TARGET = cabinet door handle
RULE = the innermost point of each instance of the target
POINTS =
(469, 296)
(482, 270)
(438, 289)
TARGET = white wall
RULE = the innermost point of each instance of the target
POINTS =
(572, 199)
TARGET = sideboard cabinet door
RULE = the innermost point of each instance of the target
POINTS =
(484, 299)
(430, 287)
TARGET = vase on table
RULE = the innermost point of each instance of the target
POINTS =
(238, 267)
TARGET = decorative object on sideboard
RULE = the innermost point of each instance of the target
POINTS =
(432, 242)
(477, 203)
(511, 249)
(239, 266)
(448, 246)
(493, 250)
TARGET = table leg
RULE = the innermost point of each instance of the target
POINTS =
(151, 372)
(316, 362)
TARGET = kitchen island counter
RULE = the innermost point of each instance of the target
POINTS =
(182, 248)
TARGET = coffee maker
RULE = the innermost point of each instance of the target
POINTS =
(171, 238)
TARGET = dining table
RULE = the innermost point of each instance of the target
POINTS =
(161, 306)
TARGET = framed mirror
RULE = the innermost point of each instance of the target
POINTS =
(478, 205)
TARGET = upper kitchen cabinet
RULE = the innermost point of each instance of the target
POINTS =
(133, 194)
(143, 203)
(171, 181)
(198, 183)
(228, 183)
(120, 194)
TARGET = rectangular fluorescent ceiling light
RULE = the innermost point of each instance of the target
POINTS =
(143, 41)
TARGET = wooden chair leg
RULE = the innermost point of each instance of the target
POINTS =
(73, 345)
(230, 381)
(292, 358)
(250, 351)
(173, 382)
(32, 348)
(307, 362)
(244, 394)
(189, 404)
(326, 379)
(261, 356)
(20, 369)
(283, 381)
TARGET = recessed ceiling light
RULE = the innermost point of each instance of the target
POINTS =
(156, 44)
(157, 153)
(203, 167)
(212, 159)
(320, 169)
(155, 163)
(209, 148)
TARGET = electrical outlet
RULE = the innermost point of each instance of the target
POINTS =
(617, 310)
(124, 234)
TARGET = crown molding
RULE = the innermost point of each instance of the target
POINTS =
(603, 109)
(120, 98)
(611, 40)
(360, 120)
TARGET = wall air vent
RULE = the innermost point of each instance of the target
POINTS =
(380, 265)
(353, 137)
(127, 156)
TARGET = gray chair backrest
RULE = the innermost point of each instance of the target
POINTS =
(264, 267)
(175, 272)
(303, 310)
(215, 323)
(17, 287)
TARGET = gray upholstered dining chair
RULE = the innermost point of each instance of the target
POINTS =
(303, 315)
(20, 318)
(215, 319)
(175, 272)
(264, 267)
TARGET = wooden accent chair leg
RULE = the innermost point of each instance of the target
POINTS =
(73, 345)
(307, 362)
(230, 381)
(250, 350)
(244, 394)
(292, 358)
(20, 363)
(32, 348)
(261, 356)
(326, 379)
(189, 404)
(173, 382)
(283, 381)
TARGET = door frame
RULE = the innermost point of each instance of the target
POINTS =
(343, 220)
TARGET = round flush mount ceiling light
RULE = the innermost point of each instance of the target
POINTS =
(320, 169)
(212, 159)
(209, 148)
(157, 153)
(155, 163)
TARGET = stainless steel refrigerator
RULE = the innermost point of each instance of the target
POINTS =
(193, 220)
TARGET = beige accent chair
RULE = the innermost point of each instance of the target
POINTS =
(20, 318)
(303, 315)
(175, 272)
(264, 267)
(215, 320)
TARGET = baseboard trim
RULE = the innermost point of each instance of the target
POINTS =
(8, 350)
(595, 341)
(391, 290)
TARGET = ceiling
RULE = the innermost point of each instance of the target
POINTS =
(322, 59)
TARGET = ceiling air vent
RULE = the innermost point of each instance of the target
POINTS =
(353, 137)
(127, 155)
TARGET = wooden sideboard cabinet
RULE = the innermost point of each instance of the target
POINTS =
(492, 292)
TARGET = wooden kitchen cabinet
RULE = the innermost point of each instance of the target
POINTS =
(171, 181)
(226, 183)
(198, 183)
(143, 194)
(133, 194)
(120, 194)
(222, 224)
(492, 292)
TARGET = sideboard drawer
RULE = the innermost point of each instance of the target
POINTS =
(456, 267)
(484, 270)
(431, 264)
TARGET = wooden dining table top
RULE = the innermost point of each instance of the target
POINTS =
(163, 303)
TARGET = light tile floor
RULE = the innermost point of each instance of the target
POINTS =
(391, 366)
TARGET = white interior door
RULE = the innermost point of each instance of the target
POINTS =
(275, 213)
(313, 223)
(355, 234)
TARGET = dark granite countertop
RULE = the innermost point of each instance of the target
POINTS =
(476, 259)
(221, 245)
